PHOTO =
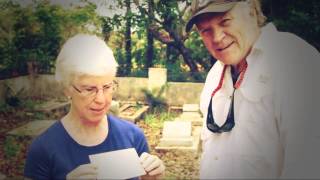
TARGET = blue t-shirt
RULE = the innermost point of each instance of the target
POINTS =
(53, 154)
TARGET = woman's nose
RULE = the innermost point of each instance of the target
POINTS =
(100, 97)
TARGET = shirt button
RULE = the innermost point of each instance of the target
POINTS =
(216, 158)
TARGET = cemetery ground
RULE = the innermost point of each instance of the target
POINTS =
(179, 164)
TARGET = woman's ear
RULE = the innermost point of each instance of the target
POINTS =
(67, 93)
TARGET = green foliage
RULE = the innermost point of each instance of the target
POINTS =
(299, 17)
(12, 97)
(34, 33)
(29, 104)
(155, 98)
(156, 119)
(39, 116)
(5, 109)
(11, 147)
(178, 74)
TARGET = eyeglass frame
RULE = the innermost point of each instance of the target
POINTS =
(113, 85)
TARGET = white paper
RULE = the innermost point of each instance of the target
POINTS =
(120, 164)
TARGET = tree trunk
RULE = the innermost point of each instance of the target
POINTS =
(149, 53)
(185, 52)
(187, 57)
(128, 38)
(172, 54)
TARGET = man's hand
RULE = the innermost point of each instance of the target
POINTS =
(152, 165)
(85, 171)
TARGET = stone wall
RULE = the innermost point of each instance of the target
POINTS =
(179, 93)
(43, 86)
(129, 89)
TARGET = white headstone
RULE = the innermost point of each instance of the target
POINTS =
(177, 129)
(114, 108)
(190, 108)
(157, 77)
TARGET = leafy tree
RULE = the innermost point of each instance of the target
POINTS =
(33, 34)
(168, 27)
(299, 17)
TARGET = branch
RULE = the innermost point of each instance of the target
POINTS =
(185, 8)
(141, 9)
(160, 35)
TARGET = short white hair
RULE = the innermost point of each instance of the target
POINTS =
(84, 54)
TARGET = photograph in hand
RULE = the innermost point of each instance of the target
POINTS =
(120, 164)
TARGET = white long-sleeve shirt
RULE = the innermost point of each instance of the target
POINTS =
(276, 108)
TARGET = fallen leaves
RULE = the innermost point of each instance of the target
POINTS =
(179, 164)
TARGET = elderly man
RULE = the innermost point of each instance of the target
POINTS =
(260, 98)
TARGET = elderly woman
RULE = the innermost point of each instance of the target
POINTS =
(86, 69)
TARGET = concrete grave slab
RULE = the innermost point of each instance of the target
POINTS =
(53, 109)
(52, 106)
(176, 129)
(32, 129)
(195, 118)
(132, 112)
(190, 108)
(193, 148)
(114, 108)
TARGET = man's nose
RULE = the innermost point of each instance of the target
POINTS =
(217, 34)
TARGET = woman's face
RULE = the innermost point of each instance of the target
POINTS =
(91, 97)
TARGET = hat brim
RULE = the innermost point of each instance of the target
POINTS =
(212, 8)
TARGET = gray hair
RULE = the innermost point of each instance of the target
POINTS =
(261, 18)
(84, 54)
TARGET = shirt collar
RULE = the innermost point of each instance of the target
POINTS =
(256, 83)
(256, 79)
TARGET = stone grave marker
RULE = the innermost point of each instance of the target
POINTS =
(176, 133)
(32, 129)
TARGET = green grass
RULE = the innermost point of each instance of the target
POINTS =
(157, 118)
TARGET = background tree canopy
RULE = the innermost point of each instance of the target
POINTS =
(149, 33)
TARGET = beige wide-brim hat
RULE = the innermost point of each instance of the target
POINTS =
(199, 7)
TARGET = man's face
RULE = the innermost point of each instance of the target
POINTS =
(229, 36)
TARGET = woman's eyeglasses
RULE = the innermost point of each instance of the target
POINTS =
(91, 92)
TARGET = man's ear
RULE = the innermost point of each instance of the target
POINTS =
(253, 8)
(253, 11)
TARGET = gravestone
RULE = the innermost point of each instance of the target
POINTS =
(181, 134)
(132, 112)
(190, 108)
(157, 77)
(54, 108)
(114, 108)
(191, 113)
(176, 133)
(32, 129)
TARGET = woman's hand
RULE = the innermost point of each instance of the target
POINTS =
(152, 165)
(85, 171)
